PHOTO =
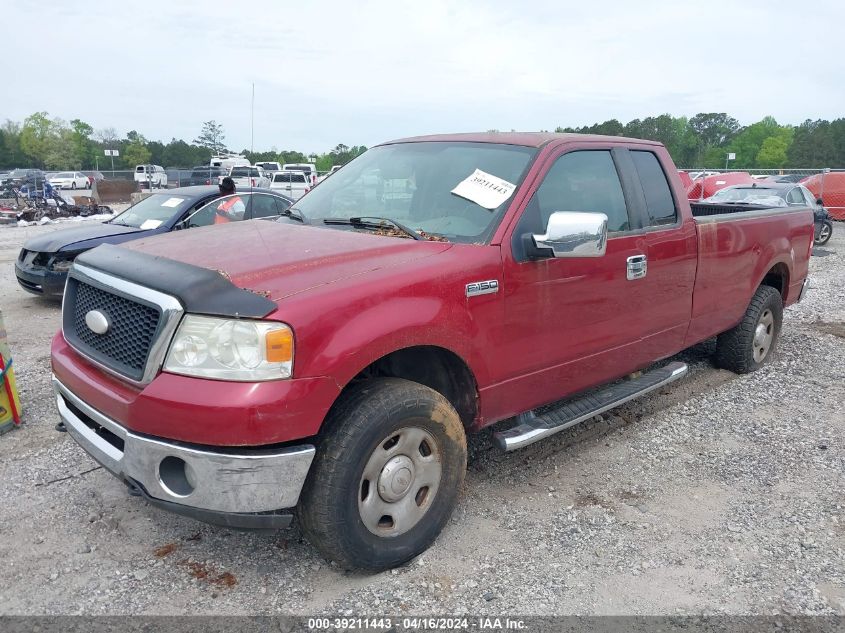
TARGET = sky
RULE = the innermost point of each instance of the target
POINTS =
(361, 72)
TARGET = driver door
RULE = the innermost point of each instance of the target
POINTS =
(576, 321)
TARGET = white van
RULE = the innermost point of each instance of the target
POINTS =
(309, 168)
(152, 176)
(227, 161)
(293, 184)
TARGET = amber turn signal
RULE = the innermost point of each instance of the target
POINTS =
(279, 345)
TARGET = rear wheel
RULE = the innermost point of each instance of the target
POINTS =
(386, 476)
(73, 185)
(750, 344)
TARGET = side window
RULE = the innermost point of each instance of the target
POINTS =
(795, 196)
(658, 196)
(265, 206)
(809, 197)
(234, 206)
(582, 181)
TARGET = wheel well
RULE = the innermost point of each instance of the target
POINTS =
(777, 278)
(434, 367)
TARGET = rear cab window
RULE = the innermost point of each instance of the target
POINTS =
(660, 204)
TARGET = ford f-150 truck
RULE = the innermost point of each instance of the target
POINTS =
(330, 364)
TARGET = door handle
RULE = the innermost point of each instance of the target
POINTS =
(637, 267)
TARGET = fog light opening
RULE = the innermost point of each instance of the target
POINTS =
(176, 477)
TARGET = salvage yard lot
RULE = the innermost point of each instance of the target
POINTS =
(717, 493)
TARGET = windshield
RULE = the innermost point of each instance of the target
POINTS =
(412, 183)
(749, 195)
(152, 211)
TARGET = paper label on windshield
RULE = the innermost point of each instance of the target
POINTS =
(150, 224)
(172, 202)
(485, 190)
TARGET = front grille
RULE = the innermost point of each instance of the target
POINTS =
(125, 347)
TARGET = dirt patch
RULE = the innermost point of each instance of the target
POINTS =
(837, 328)
(165, 550)
(204, 572)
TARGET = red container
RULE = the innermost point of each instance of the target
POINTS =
(831, 189)
(712, 184)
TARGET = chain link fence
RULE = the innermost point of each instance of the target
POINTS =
(826, 184)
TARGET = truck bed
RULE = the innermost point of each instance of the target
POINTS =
(738, 247)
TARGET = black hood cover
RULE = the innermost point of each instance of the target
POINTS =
(200, 290)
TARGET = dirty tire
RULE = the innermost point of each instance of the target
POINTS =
(735, 349)
(360, 426)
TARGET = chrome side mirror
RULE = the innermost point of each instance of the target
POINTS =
(573, 234)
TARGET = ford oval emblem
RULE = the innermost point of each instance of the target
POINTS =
(97, 322)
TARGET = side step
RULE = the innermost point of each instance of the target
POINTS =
(532, 427)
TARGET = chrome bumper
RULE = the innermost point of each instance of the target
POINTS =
(229, 481)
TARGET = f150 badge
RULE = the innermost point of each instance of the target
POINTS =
(482, 288)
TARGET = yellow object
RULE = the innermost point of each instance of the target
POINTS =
(279, 345)
(10, 404)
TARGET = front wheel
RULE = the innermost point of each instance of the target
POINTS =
(386, 477)
(73, 185)
(823, 233)
(751, 343)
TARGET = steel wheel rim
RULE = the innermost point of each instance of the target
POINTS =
(824, 232)
(399, 482)
(764, 334)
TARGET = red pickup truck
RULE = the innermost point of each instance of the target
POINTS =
(331, 363)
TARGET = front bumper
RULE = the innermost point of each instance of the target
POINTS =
(234, 487)
(40, 281)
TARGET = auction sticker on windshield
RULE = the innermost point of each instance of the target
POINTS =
(485, 190)
(172, 202)
(150, 224)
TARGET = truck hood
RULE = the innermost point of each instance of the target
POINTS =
(67, 238)
(280, 260)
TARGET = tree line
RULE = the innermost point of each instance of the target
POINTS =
(704, 140)
(55, 144)
(707, 139)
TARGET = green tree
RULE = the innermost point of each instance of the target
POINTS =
(749, 141)
(61, 152)
(11, 154)
(712, 129)
(83, 146)
(773, 152)
(211, 136)
(37, 135)
(135, 152)
(814, 145)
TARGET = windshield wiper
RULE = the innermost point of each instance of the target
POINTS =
(373, 222)
(294, 214)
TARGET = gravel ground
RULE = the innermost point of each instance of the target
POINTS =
(718, 494)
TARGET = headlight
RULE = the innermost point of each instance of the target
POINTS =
(62, 262)
(231, 349)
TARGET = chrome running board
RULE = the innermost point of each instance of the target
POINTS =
(531, 427)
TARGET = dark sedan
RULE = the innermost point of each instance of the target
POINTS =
(771, 194)
(43, 263)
